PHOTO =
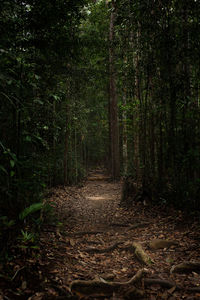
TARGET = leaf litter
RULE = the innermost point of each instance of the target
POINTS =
(90, 217)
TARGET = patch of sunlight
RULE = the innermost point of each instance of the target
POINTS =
(96, 198)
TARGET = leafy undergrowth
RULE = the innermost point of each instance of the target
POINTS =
(91, 239)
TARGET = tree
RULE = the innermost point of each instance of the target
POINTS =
(37, 41)
(165, 45)
(113, 108)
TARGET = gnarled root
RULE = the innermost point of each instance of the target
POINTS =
(134, 293)
(97, 288)
(104, 250)
(161, 244)
(186, 267)
(141, 255)
(162, 282)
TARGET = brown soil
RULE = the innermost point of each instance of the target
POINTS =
(91, 218)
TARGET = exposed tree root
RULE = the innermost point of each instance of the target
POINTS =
(162, 282)
(138, 225)
(102, 287)
(169, 284)
(141, 255)
(92, 242)
(104, 250)
(119, 225)
(134, 293)
(161, 244)
(80, 233)
(136, 248)
(194, 289)
(186, 267)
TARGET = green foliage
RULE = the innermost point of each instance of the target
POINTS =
(27, 240)
(54, 62)
(160, 79)
(6, 223)
(37, 41)
(30, 210)
(26, 237)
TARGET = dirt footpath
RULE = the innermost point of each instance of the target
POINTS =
(93, 243)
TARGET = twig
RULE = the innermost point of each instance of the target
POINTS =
(17, 273)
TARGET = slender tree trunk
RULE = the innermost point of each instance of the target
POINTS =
(114, 130)
(109, 163)
(54, 142)
(75, 154)
(66, 144)
(125, 143)
(137, 114)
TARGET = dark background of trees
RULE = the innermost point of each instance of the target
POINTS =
(58, 62)
(162, 88)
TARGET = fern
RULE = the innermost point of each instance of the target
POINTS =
(30, 210)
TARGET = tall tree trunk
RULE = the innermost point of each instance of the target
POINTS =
(137, 113)
(114, 129)
(66, 144)
(54, 142)
(125, 143)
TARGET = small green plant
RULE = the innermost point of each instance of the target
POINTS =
(5, 222)
(27, 240)
(27, 237)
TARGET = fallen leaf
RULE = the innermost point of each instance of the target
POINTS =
(72, 242)
(124, 270)
(172, 290)
(24, 285)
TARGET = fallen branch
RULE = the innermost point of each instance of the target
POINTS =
(186, 267)
(141, 255)
(102, 287)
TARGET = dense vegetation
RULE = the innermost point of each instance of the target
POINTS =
(161, 87)
(64, 66)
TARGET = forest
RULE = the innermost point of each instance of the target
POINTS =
(99, 141)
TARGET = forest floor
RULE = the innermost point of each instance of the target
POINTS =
(93, 242)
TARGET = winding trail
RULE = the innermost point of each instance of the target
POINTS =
(90, 221)
(98, 202)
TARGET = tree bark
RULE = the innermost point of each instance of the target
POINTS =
(114, 130)
(66, 145)
(125, 139)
